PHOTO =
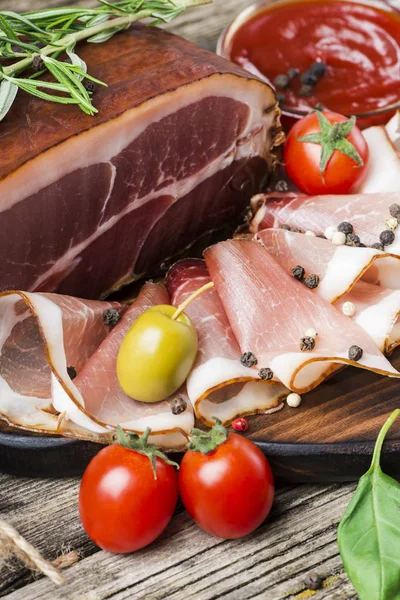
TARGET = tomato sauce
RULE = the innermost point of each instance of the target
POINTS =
(358, 43)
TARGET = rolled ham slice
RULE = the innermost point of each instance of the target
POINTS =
(338, 267)
(366, 212)
(340, 270)
(104, 399)
(219, 385)
(46, 339)
(270, 313)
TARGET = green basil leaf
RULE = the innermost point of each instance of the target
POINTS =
(8, 91)
(369, 532)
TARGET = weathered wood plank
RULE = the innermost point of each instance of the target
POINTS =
(185, 562)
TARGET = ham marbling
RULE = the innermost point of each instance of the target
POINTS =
(218, 385)
(181, 140)
(270, 312)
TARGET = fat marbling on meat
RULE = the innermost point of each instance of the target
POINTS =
(181, 141)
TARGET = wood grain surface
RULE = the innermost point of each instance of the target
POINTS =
(185, 563)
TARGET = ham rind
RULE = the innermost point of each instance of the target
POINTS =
(338, 267)
(103, 397)
(218, 385)
(366, 212)
(393, 130)
(41, 335)
(181, 140)
(270, 312)
(377, 312)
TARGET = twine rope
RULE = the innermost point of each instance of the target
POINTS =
(13, 544)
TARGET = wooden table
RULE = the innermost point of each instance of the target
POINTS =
(299, 536)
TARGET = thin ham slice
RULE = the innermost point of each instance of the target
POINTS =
(219, 385)
(383, 166)
(104, 399)
(270, 312)
(42, 336)
(366, 212)
(377, 312)
(338, 267)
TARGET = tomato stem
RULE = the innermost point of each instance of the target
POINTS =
(207, 441)
(188, 300)
(140, 444)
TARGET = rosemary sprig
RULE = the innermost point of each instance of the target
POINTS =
(40, 37)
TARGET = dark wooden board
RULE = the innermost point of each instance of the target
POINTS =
(330, 437)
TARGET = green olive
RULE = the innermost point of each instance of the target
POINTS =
(156, 354)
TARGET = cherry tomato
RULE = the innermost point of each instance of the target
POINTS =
(228, 492)
(342, 174)
(122, 507)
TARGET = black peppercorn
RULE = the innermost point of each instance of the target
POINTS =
(387, 237)
(313, 581)
(311, 281)
(394, 210)
(307, 343)
(345, 227)
(284, 226)
(281, 99)
(292, 73)
(352, 240)
(296, 230)
(355, 353)
(306, 90)
(71, 372)
(319, 106)
(318, 69)
(265, 374)
(298, 273)
(248, 359)
(178, 405)
(38, 63)
(378, 246)
(281, 81)
(111, 317)
(361, 245)
(308, 78)
(89, 85)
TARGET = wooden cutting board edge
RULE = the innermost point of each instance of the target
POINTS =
(28, 456)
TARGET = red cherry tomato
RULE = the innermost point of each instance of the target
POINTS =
(302, 159)
(230, 491)
(122, 507)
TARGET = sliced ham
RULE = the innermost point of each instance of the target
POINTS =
(270, 313)
(339, 270)
(47, 339)
(383, 169)
(219, 385)
(366, 212)
(377, 312)
(338, 267)
(181, 140)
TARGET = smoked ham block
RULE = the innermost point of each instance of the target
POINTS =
(181, 141)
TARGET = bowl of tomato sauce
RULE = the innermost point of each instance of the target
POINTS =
(343, 55)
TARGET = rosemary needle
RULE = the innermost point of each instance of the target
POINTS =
(46, 34)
